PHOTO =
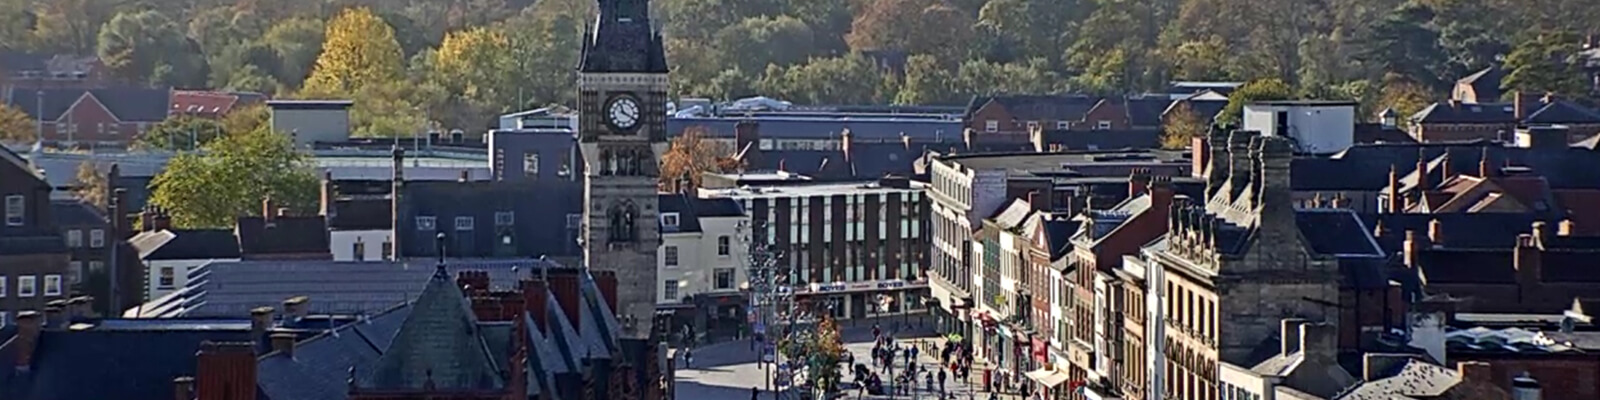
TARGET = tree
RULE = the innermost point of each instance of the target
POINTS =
(471, 64)
(16, 21)
(544, 47)
(244, 66)
(1401, 44)
(400, 108)
(90, 186)
(1404, 97)
(16, 126)
(926, 82)
(181, 133)
(231, 177)
(1204, 59)
(71, 26)
(298, 42)
(147, 46)
(690, 156)
(1180, 126)
(360, 50)
(1253, 91)
(981, 77)
(755, 42)
(246, 119)
(903, 25)
(1547, 64)
(850, 79)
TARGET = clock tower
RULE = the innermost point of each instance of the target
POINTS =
(622, 97)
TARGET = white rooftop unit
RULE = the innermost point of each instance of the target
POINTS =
(1317, 127)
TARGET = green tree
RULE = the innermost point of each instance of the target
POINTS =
(298, 42)
(243, 66)
(1547, 64)
(1253, 91)
(16, 23)
(359, 50)
(828, 19)
(472, 64)
(1038, 28)
(231, 177)
(1201, 60)
(926, 82)
(755, 42)
(181, 133)
(544, 47)
(1400, 43)
(981, 77)
(15, 125)
(1180, 126)
(1404, 97)
(851, 79)
(90, 186)
(399, 108)
(71, 26)
(147, 46)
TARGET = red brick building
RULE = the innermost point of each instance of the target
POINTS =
(113, 117)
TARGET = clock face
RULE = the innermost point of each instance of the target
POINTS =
(623, 113)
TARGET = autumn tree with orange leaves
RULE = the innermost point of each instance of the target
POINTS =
(692, 155)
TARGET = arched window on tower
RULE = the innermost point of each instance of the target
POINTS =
(608, 162)
(623, 223)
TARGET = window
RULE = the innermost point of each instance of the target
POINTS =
(358, 251)
(991, 126)
(74, 271)
(427, 223)
(566, 166)
(388, 249)
(530, 164)
(2, 286)
(669, 220)
(52, 285)
(15, 207)
(574, 221)
(464, 223)
(169, 277)
(1063, 125)
(505, 218)
(723, 244)
(669, 290)
(97, 266)
(670, 255)
(1102, 125)
(724, 278)
(97, 238)
(3, 319)
(75, 238)
(26, 286)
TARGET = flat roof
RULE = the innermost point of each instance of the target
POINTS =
(1302, 103)
(813, 190)
(309, 104)
(1032, 161)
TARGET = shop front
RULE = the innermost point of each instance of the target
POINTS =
(865, 299)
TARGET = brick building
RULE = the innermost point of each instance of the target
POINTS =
(33, 256)
(112, 117)
(1457, 120)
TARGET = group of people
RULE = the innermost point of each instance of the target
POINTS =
(886, 354)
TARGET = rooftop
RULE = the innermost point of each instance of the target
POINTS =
(808, 190)
(1030, 161)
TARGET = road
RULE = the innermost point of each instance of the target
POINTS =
(729, 370)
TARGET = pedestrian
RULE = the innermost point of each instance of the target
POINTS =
(941, 380)
(755, 393)
(688, 358)
(914, 352)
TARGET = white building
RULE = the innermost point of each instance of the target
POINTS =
(1317, 127)
(169, 254)
(703, 249)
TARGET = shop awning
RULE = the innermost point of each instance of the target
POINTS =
(1049, 377)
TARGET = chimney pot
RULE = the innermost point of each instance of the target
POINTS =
(1538, 231)
(296, 307)
(55, 317)
(283, 342)
(260, 320)
(183, 388)
(1436, 232)
(1566, 228)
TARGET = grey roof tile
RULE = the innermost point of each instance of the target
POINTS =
(439, 342)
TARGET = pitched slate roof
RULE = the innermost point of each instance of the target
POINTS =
(1485, 82)
(68, 213)
(234, 288)
(1039, 107)
(127, 104)
(282, 235)
(1563, 112)
(186, 244)
(108, 364)
(319, 368)
(1415, 380)
(690, 209)
(439, 345)
(1449, 112)
(1336, 232)
(1146, 110)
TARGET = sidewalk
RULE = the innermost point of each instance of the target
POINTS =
(955, 389)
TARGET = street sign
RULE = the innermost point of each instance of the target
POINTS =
(769, 353)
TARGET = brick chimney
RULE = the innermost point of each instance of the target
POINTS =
(1436, 232)
(1161, 193)
(266, 209)
(1444, 166)
(1217, 162)
(1566, 228)
(1412, 249)
(536, 299)
(1522, 105)
(183, 388)
(227, 371)
(1375, 366)
(325, 205)
(1239, 169)
(260, 322)
(1289, 335)
(1199, 153)
(1394, 190)
(283, 342)
(296, 307)
(747, 141)
(1476, 371)
(473, 282)
(397, 184)
(55, 315)
(1526, 258)
(607, 282)
(844, 143)
(1485, 168)
(1138, 182)
(1319, 341)
(1422, 173)
(29, 325)
(564, 284)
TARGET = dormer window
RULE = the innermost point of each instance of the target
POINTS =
(16, 206)
(669, 220)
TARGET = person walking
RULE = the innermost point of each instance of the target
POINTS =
(755, 393)
(688, 358)
(942, 377)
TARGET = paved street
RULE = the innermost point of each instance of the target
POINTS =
(729, 370)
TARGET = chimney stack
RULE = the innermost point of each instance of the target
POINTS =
(1436, 232)
(1477, 371)
(326, 202)
(1444, 166)
(283, 342)
(266, 209)
(260, 322)
(1319, 341)
(1524, 387)
(1521, 106)
(55, 317)
(296, 307)
(1239, 169)
(1289, 333)
(1138, 182)
(1217, 162)
(1566, 228)
(1422, 172)
(747, 141)
(536, 299)
(1375, 366)
(226, 371)
(29, 325)
(607, 282)
(183, 388)
(397, 185)
(1485, 169)
(1413, 248)
(1394, 191)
